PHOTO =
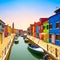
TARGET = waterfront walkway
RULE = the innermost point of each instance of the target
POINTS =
(5, 47)
(51, 49)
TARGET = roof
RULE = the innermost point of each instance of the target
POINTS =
(2, 21)
(57, 11)
(38, 23)
(54, 15)
(42, 20)
(31, 24)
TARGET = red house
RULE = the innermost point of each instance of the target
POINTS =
(5, 30)
(34, 29)
(31, 27)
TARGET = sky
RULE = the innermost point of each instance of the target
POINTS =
(26, 12)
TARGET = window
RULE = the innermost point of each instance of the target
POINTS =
(50, 26)
(57, 37)
(43, 27)
(49, 35)
(2, 25)
(58, 25)
(47, 27)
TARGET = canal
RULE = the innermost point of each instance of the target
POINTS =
(20, 51)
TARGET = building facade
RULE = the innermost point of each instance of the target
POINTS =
(9, 30)
(42, 29)
(5, 30)
(54, 28)
(2, 24)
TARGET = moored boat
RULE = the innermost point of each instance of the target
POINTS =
(25, 38)
(36, 49)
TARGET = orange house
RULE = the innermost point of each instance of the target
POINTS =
(9, 30)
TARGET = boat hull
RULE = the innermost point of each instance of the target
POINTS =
(35, 51)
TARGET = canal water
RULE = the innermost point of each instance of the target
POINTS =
(20, 51)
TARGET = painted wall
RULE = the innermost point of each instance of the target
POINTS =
(2, 24)
(0, 38)
(53, 20)
(28, 31)
(5, 30)
(46, 27)
(31, 26)
(46, 31)
(9, 30)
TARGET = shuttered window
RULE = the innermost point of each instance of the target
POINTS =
(43, 27)
(58, 25)
(57, 37)
(50, 26)
(47, 27)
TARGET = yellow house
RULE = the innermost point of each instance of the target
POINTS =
(2, 24)
(9, 30)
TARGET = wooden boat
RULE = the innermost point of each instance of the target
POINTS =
(36, 49)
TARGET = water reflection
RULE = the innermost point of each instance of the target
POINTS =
(16, 42)
(38, 56)
(20, 51)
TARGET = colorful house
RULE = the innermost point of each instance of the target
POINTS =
(54, 28)
(31, 27)
(34, 30)
(5, 30)
(28, 31)
(2, 24)
(37, 29)
(44, 29)
(9, 30)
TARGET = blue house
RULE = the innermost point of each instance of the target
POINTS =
(54, 28)
(37, 31)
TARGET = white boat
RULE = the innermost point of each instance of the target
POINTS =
(36, 49)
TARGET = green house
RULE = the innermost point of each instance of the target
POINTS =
(46, 27)
(46, 31)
